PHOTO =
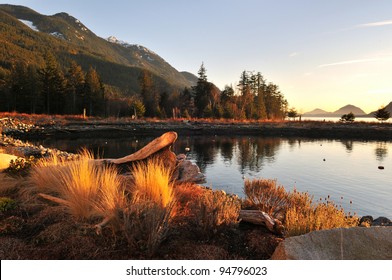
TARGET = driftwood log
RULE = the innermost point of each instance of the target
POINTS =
(183, 170)
(258, 217)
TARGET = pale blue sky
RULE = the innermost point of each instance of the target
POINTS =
(322, 54)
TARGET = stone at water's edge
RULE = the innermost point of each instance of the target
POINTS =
(356, 243)
(5, 160)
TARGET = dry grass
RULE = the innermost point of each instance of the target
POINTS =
(297, 210)
(87, 189)
(8, 184)
(267, 196)
(303, 215)
(214, 209)
(152, 182)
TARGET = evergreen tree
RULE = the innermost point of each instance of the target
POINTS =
(149, 94)
(75, 86)
(382, 114)
(202, 92)
(94, 94)
(52, 86)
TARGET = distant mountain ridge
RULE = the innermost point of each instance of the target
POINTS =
(388, 108)
(26, 35)
(338, 113)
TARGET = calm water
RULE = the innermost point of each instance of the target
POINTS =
(343, 169)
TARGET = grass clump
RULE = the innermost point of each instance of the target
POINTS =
(297, 210)
(139, 208)
(303, 215)
(152, 182)
(84, 187)
(266, 195)
(214, 209)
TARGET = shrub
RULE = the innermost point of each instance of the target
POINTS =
(7, 204)
(304, 216)
(296, 210)
(146, 224)
(214, 209)
(20, 166)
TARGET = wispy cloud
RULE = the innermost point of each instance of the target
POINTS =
(293, 54)
(375, 24)
(349, 62)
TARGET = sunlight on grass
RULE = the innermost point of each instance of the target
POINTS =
(87, 189)
(297, 210)
(152, 182)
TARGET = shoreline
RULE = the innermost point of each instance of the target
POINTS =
(124, 127)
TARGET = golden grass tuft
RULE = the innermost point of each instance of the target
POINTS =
(152, 182)
(303, 215)
(88, 189)
(296, 210)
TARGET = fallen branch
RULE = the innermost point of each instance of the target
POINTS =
(258, 217)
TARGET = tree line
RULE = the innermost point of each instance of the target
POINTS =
(27, 88)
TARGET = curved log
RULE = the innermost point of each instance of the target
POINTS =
(164, 141)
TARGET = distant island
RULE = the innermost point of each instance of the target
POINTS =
(358, 112)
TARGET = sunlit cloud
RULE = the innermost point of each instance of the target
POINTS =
(375, 24)
(293, 54)
(345, 62)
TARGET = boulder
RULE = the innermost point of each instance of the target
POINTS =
(381, 221)
(5, 160)
(356, 243)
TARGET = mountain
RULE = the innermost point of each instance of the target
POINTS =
(26, 35)
(349, 109)
(338, 113)
(388, 107)
(317, 112)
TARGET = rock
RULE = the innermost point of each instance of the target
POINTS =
(381, 167)
(381, 221)
(366, 221)
(356, 243)
(187, 171)
(5, 160)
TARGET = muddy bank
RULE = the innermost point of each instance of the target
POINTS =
(311, 129)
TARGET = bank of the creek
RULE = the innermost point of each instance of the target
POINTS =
(121, 128)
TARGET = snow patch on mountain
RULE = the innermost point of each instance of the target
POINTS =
(58, 35)
(113, 39)
(29, 24)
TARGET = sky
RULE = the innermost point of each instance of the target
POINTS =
(321, 54)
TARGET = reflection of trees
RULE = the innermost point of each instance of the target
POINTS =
(254, 151)
(205, 150)
(226, 148)
(381, 150)
(348, 144)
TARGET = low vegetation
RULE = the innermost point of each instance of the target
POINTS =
(297, 210)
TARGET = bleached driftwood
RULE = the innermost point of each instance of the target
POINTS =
(258, 217)
(158, 144)
(183, 170)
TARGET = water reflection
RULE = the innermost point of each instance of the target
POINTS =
(348, 144)
(381, 151)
